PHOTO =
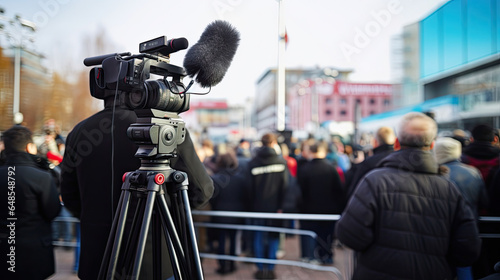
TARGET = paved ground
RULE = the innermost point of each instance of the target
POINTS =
(343, 262)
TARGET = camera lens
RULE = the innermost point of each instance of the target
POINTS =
(158, 94)
(137, 98)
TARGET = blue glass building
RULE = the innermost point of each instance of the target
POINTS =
(454, 58)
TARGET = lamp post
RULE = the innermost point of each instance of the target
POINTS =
(17, 38)
(281, 93)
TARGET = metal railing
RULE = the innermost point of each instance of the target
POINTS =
(280, 216)
(349, 264)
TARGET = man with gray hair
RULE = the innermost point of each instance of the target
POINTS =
(405, 220)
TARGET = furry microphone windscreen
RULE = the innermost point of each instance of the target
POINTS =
(211, 56)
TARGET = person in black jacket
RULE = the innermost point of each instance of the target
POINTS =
(483, 154)
(384, 143)
(322, 193)
(29, 201)
(405, 220)
(228, 195)
(267, 183)
(92, 171)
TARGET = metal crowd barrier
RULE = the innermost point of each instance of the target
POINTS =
(281, 216)
(487, 219)
(349, 265)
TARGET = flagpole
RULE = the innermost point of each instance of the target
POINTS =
(281, 96)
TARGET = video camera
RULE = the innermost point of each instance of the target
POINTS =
(156, 103)
(158, 131)
(128, 75)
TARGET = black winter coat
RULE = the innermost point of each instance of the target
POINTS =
(229, 194)
(321, 188)
(36, 204)
(88, 187)
(408, 222)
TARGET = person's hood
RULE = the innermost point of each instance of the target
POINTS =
(413, 160)
(481, 150)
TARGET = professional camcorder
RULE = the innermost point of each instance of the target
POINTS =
(128, 75)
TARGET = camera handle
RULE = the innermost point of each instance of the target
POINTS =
(150, 185)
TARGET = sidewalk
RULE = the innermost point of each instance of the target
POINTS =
(343, 262)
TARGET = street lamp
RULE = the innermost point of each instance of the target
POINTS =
(17, 39)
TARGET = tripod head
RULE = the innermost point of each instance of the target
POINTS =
(157, 133)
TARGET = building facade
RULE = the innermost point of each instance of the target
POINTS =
(452, 66)
(322, 101)
(34, 84)
(264, 114)
(215, 119)
(460, 56)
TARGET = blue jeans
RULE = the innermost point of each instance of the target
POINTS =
(63, 229)
(265, 240)
(77, 248)
(464, 273)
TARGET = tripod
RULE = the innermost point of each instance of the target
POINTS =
(157, 134)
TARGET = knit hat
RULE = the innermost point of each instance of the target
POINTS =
(447, 149)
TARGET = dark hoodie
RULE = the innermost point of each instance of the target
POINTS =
(408, 222)
(483, 156)
(481, 150)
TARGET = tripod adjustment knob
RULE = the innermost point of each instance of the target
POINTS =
(178, 177)
(159, 179)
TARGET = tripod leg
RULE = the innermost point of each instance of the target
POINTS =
(180, 222)
(143, 234)
(133, 236)
(110, 258)
(178, 218)
(107, 251)
(157, 246)
(192, 234)
(176, 251)
(182, 209)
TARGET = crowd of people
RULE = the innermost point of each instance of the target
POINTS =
(410, 202)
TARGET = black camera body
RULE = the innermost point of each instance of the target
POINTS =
(129, 76)
(156, 103)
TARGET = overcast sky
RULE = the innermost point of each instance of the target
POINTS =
(351, 34)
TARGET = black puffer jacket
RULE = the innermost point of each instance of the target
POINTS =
(408, 222)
